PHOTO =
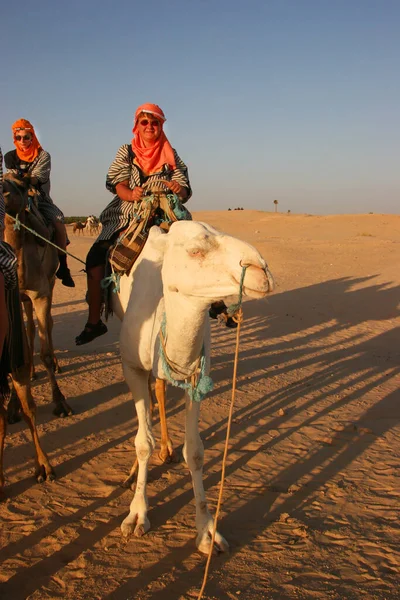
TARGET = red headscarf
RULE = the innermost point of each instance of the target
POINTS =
(30, 153)
(152, 159)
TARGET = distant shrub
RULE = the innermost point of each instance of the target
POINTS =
(69, 220)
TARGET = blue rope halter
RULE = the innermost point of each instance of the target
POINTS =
(204, 383)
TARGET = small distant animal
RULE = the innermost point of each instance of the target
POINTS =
(93, 225)
(78, 227)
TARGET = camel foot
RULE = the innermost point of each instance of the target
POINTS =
(141, 529)
(129, 482)
(62, 409)
(44, 473)
(133, 525)
(203, 542)
(169, 455)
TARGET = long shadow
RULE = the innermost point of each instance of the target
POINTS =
(261, 503)
(113, 417)
(335, 363)
(36, 575)
(336, 458)
(69, 303)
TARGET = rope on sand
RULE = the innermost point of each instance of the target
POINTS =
(237, 311)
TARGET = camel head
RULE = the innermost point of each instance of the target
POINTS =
(15, 192)
(201, 262)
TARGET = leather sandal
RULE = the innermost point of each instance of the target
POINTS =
(218, 310)
(90, 333)
(64, 274)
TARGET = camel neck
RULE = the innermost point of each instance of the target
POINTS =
(184, 331)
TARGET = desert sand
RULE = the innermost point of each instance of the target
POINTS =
(312, 494)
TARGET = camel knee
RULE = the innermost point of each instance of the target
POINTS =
(194, 457)
(144, 448)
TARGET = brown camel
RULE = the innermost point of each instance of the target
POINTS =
(37, 265)
(20, 379)
(78, 227)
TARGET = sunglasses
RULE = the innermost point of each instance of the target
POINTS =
(153, 122)
(26, 138)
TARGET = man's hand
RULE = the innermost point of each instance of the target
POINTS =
(136, 194)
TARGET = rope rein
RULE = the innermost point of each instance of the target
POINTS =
(237, 311)
(18, 225)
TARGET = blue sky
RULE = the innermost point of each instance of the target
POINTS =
(294, 100)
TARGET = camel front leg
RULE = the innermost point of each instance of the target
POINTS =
(30, 331)
(129, 481)
(167, 453)
(137, 521)
(43, 469)
(193, 452)
(43, 315)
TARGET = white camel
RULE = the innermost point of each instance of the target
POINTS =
(176, 278)
(92, 225)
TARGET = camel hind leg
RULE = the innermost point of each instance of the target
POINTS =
(43, 468)
(42, 309)
(167, 453)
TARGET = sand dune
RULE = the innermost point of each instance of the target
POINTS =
(312, 491)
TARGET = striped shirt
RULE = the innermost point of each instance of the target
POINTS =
(118, 213)
(39, 168)
(2, 207)
(8, 260)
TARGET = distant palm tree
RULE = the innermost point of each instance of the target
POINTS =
(276, 205)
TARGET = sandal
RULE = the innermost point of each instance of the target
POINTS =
(90, 333)
(64, 274)
(219, 309)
